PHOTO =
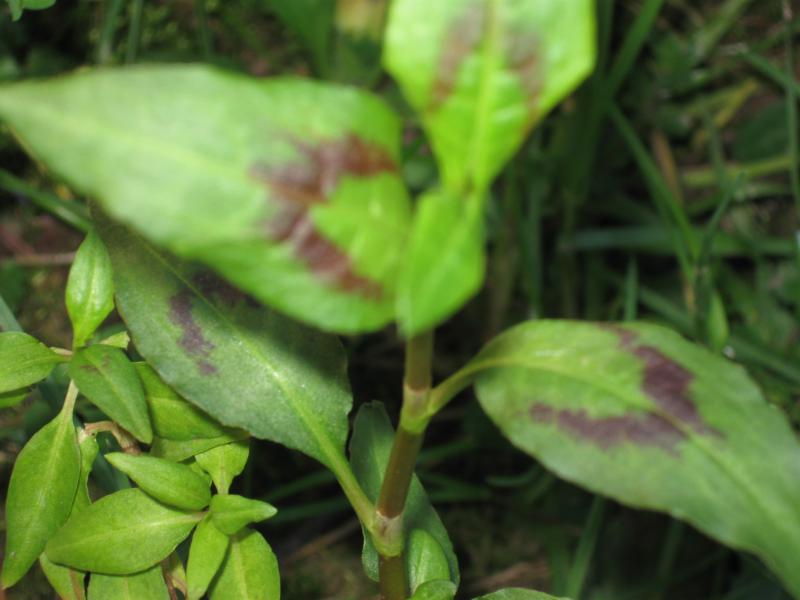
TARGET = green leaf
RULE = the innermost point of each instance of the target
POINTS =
(120, 534)
(40, 494)
(173, 417)
(637, 413)
(67, 583)
(87, 444)
(481, 73)
(24, 361)
(168, 482)
(314, 32)
(208, 549)
(224, 463)
(16, 9)
(426, 560)
(230, 512)
(90, 289)
(440, 589)
(295, 178)
(444, 262)
(147, 585)
(249, 572)
(206, 341)
(370, 447)
(178, 450)
(106, 376)
(12, 398)
(18, 5)
(517, 594)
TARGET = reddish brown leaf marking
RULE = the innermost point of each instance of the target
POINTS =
(312, 180)
(665, 381)
(645, 429)
(524, 57)
(463, 37)
(192, 339)
(217, 289)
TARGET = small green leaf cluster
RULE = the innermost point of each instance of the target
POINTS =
(123, 540)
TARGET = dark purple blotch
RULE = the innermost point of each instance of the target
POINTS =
(192, 339)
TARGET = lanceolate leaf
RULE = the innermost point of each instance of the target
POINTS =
(224, 463)
(208, 549)
(120, 534)
(173, 417)
(166, 481)
(106, 376)
(148, 584)
(246, 366)
(288, 187)
(178, 450)
(230, 512)
(249, 572)
(24, 361)
(40, 494)
(370, 447)
(425, 560)
(90, 289)
(444, 262)
(67, 583)
(483, 72)
(638, 413)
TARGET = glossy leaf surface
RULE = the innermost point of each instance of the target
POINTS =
(208, 342)
(230, 512)
(168, 482)
(288, 187)
(148, 585)
(481, 73)
(370, 447)
(40, 494)
(637, 413)
(173, 417)
(444, 262)
(24, 361)
(106, 376)
(440, 589)
(90, 289)
(206, 553)
(224, 463)
(123, 533)
(249, 572)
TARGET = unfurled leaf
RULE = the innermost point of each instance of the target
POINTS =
(90, 289)
(315, 33)
(17, 6)
(249, 571)
(425, 560)
(40, 494)
(119, 340)
(481, 73)
(230, 512)
(208, 549)
(517, 594)
(224, 463)
(637, 413)
(168, 482)
(178, 450)
(295, 178)
(444, 262)
(370, 447)
(173, 417)
(207, 341)
(24, 361)
(106, 376)
(147, 585)
(440, 589)
(120, 534)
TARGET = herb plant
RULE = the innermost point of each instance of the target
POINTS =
(240, 225)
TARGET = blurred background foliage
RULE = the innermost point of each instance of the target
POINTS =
(665, 189)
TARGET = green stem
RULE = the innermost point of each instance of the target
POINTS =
(400, 470)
